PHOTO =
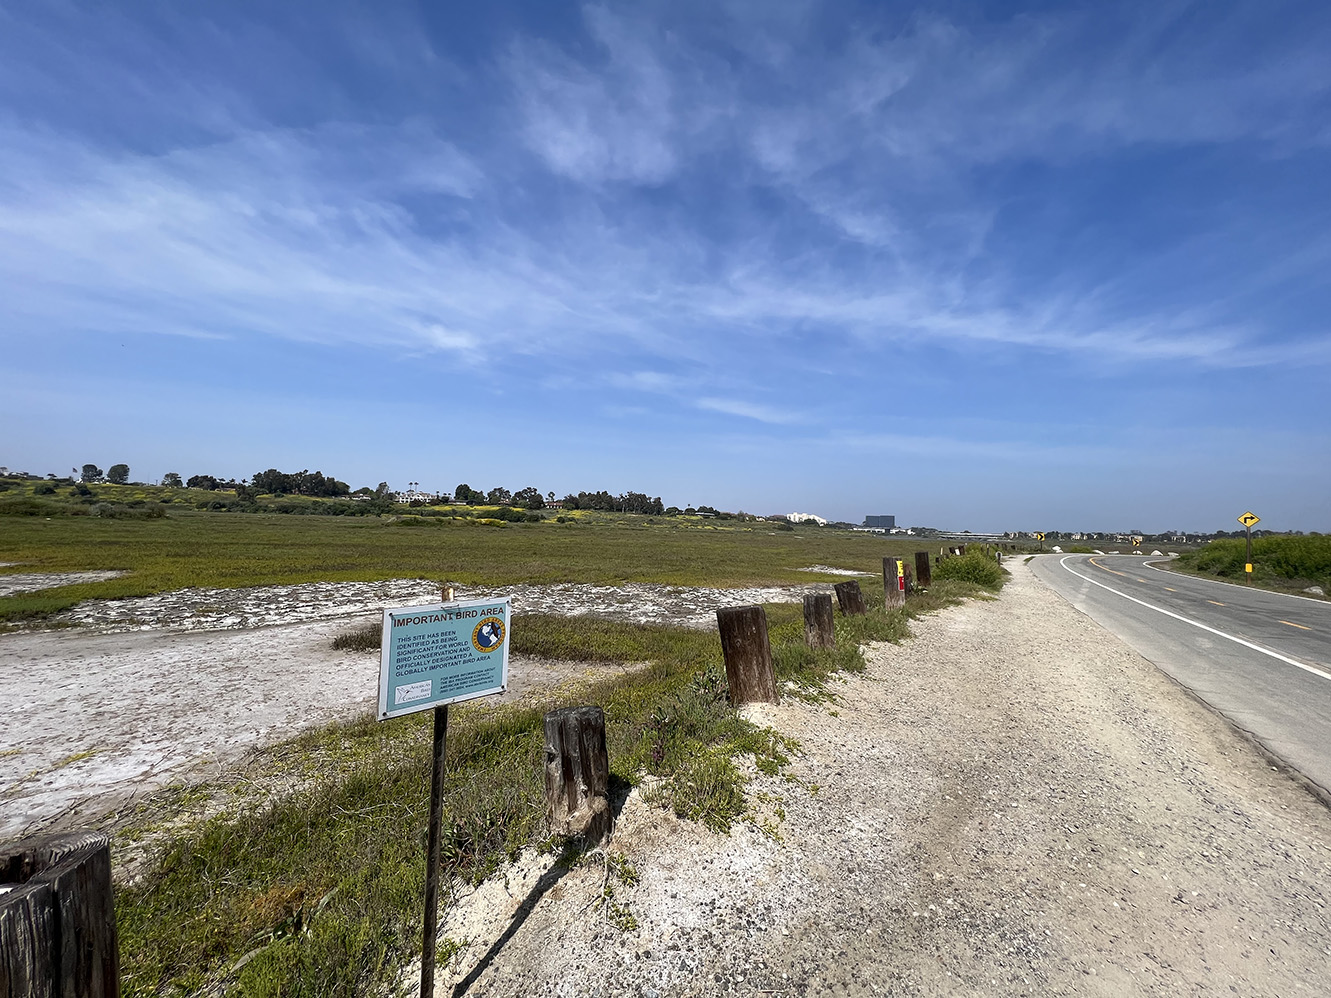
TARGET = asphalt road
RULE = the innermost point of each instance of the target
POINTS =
(1260, 658)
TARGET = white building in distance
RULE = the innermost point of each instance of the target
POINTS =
(805, 518)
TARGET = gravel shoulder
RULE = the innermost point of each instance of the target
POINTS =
(1011, 803)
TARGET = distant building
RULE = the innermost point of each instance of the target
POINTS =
(882, 522)
(806, 517)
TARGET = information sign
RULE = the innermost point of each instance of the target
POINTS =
(441, 654)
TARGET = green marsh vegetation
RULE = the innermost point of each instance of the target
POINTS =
(188, 547)
(318, 887)
(1285, 563)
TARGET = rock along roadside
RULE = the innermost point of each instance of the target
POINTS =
(1011, 803)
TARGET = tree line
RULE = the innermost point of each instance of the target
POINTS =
(531, 498)
(317, 484)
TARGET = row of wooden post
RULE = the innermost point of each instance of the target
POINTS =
(576, 767)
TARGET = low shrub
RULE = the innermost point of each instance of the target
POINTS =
(129, 511)
(367, 638)
(1290, 561)
(976, 566)
(29, 506)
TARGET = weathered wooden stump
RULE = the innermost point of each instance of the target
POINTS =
(894, 592)
(849, 597)
(577, 774)
(748, 654)
(962, 550)
(818, 631)
(924, 570)
(57, 920)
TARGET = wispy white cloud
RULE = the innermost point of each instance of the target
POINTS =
(749, 410)
(318, 232)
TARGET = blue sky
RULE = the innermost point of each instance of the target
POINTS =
(984, 266)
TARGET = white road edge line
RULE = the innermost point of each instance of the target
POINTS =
(1187, 620)
(1201, 578)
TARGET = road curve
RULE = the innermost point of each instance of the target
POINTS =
(1262, 659)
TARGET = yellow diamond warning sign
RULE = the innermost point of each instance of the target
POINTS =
(1250, 519)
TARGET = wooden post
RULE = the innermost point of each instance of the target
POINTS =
(924, 571)
(849, 598)
(894, 595)
(577, 774)
(962, 550)
(57, 920)
(818, 632)
(748, 654)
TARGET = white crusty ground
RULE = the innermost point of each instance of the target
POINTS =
(1011, 803)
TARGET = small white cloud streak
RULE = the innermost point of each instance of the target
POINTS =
(749, 410)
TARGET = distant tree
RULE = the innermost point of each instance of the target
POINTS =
(529, 497)
(90, 473)
(300, 483)
(499, 496)
(202, 482)
(172, 480)
(272, 482)
(118, 474)
(468, 496)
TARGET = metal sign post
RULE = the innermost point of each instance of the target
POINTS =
(1249, 520)
(432, 656)
(431, 929)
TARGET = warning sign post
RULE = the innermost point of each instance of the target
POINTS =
(432, 656)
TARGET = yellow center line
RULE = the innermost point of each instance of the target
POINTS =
(1213, 601)
(1142, 581)
(1299, 626)
(1098, 565)
(1171, 590)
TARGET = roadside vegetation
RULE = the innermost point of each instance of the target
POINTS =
(306, 876)
(977, 566)
(1284, 563)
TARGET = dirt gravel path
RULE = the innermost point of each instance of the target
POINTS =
(1011, 803)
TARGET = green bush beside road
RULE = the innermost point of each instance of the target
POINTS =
(1284, 562)
(977, 566)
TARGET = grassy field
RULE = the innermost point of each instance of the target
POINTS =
(316, 889)
(1281, 563)
(226, 550)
